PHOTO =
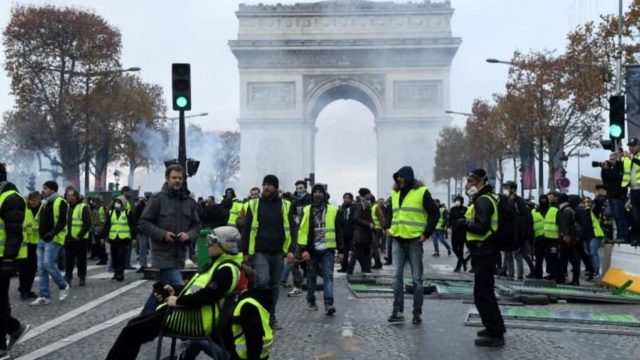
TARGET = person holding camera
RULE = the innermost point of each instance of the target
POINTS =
(612, 174)
(631, 178)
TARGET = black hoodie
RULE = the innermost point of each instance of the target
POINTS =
(12, 214)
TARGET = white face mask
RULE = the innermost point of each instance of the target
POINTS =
(472, 190)
(117, 206)
(506, 192)
(457, 203)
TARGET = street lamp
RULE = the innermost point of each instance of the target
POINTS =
(496, 61)
(579, 155)
(459, 113)
(116, 175)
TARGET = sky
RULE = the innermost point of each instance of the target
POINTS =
(156, 33)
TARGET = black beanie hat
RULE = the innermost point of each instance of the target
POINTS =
(272, 180)
(51, 185)
(478, 174)
(364, 191)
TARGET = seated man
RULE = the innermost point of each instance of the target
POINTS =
(206, 291)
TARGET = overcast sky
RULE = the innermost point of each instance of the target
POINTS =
(156, 33)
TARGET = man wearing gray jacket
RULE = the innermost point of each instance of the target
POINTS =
(171, 221)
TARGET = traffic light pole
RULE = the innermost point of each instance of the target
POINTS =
(182, 146)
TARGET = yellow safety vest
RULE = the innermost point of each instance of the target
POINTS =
(240, 341)
(3, 232)
(329, 227)
(374, 217)
(234, 212)
(597, 229)
(181, 321)
(626, 167)
(551, 230)
(30, 234)
(119, 226)
(538, 223)
(76, 221)
(410, 218)
(255, 225)
(60, 236)
(471, 213)
(441, 220)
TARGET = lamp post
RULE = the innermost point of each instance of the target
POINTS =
(173, 125)
(459, 113)
(579, 155)
(116, 176)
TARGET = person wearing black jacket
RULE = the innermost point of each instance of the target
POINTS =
(525, 233)
(611, 174)
(568, 240)
(362, 233)
(222, 245)
(346, 212)
(12, 209)
(481, 223)
(119, 235)
(412, 221)
(77, 241)
(458, 236)
(267, 237)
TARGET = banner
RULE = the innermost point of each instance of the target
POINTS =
(556, 149)
(528, 164)
(632, 89)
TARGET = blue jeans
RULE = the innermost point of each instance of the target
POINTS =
(194, 347)
(619, 216)
(591, 248)
(321, 260)
(438, 236)
(389, 249)
(268, 268)
(143, 247)
(47, 253)
(170, 276)
(403, 252)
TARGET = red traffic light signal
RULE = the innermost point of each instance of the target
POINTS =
(181, 86)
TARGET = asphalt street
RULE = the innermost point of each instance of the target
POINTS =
(85, 325)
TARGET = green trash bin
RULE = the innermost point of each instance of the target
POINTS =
(201, 248)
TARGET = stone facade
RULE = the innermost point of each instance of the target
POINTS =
(295, 59)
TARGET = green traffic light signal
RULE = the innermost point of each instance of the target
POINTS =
(182, 102)
(615, 131)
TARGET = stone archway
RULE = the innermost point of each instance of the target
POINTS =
(295, 59)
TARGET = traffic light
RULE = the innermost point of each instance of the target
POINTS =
(616, 117)
(181, 86)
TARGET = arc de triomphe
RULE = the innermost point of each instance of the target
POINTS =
(295, 59)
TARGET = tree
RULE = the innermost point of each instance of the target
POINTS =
(54, 57)
(451, 156)
(226, 160)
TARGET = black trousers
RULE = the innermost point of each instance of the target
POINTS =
(8, 323)
(551, 256)
(634, 197)
(99, 248)
(569, 254)
(139, 330)
(485, 258)
(360, 252)
(458, 238)
(344, 265)
(376, 246)
(584, 257)
(118, 256)
(538, 252)
(75, 252)
(27, 269)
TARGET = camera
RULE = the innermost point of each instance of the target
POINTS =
(596, 164)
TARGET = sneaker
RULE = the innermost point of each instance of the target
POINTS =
(40, 301)
(295, 292)
(448, 252)
(82, 282)
(417, 320)
(490, 341)
(484, 333)
(285, 285)
(275, 325)
(435, 254)
(312, 306)
(15, 336)
(396, 317)
(330, 309)
(64, 293)
(141, 269)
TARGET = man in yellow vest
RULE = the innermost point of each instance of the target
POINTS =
(319, 236)
(414, 216)
(29, 265)
(267, 237)
(78, 237)
(53, 231)
(233, 205)
(378, 245)
(631, 178)
(552, 237)
(119, 229)
(12, 207)
(481, 223)
(592, 234)
(439, 235)
(207, 291)
(539, 241)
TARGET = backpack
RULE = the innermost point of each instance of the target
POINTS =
(508, 234)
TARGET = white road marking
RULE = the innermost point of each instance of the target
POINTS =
(75, 271)
(75, 312)
(107, 275)
(47, 350)
(347, 330)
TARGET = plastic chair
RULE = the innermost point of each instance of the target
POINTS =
(186, 324)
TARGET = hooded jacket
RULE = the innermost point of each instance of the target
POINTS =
(310, 246)
(169, 210)
(12, 213)
(428, 204)
(483, 207)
